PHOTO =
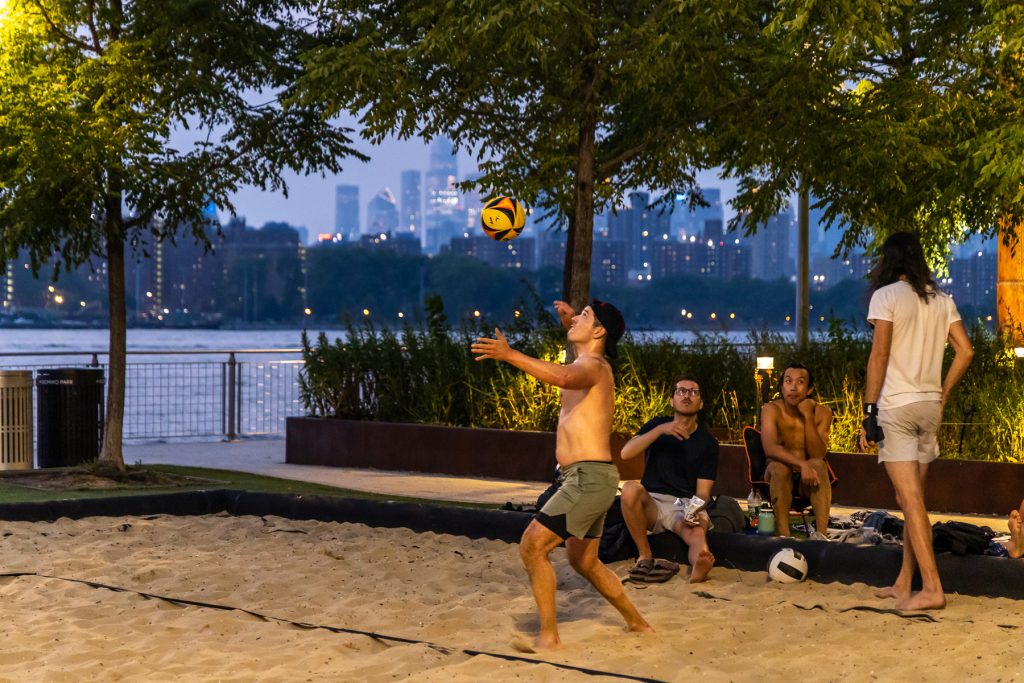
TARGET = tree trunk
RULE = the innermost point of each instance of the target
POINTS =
(570, 249)
(583, 223)
(113, 428)
(1010, 288)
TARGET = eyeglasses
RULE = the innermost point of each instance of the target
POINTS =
(686, 391)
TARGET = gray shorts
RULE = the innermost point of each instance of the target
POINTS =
(578, 508)
(670, 509)
(911, 432)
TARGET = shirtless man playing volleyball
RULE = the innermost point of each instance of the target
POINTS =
(575, 513)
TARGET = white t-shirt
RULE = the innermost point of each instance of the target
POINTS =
(919, 332)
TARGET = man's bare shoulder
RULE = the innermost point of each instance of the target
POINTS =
(595, 369)
(772, 410)
(822, 410)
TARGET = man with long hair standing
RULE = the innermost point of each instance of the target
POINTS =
(904, 397)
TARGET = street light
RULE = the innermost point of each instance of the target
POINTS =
(762, 369)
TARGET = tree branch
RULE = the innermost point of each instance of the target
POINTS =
(70, 38)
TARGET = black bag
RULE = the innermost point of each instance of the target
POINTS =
(727, 515)
(616, 543)
(961, 538)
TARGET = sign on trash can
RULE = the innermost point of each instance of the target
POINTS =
(70, 407)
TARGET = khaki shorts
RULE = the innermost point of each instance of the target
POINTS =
(670, 509)
(579, 505)
(911, 432)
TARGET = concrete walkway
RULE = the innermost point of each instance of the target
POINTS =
(266, 457)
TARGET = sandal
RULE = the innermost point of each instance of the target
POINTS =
(653, 571)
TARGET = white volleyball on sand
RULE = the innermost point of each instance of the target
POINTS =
(788, 566)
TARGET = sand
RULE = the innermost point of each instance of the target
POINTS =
(449, 591)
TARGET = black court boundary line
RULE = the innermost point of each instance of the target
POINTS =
(443, 649)
(827, 562)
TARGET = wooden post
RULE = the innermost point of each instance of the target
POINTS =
(1010, 289)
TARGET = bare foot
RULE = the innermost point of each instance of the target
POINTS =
(540, 643)
(699, 571)
(639, 627)
(1015, 546)
(923, 600)
(893, 592)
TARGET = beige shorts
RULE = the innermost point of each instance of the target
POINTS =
(911, 432)
(671, 509)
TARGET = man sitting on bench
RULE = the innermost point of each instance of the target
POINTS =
(794, 433)
(680, 466)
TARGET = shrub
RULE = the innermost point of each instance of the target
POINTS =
(428, 375)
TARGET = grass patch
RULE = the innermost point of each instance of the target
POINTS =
(200, 479)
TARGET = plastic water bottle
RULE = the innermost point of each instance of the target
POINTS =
(753, 508)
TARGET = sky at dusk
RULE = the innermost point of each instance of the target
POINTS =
(310, 200)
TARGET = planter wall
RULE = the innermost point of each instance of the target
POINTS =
(954, 486)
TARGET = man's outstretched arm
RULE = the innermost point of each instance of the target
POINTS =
(579, 375)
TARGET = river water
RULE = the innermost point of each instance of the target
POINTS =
(186, 392)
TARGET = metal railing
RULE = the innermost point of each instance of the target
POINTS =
(247, 392)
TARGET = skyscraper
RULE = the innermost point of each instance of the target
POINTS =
(442, 214)
(346, 212)
(703, 221)
(410, 218)
(770, 247)
(382, 213)
(639, 227)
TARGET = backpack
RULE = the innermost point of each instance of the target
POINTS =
(961, 538)
(727, 515)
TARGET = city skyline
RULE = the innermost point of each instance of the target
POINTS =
(311, 200)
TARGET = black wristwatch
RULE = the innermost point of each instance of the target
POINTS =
(871, 409)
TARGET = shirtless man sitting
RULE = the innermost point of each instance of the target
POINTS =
(575, 513)
(795, 432)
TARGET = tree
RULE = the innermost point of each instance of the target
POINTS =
(91, 94)
(895, 116)
(568, 105)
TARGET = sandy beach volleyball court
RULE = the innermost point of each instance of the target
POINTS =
(447, 590)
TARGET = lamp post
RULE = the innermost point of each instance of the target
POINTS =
(762, 369)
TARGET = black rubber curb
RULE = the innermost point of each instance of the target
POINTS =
(827, 562)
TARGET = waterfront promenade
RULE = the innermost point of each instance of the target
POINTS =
(267, 457)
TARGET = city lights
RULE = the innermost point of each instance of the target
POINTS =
(401, 315)
(308, 311)
(366, 311)
(476, 314)
(732, 316)
(58, 299)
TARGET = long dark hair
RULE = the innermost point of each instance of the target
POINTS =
(901, 255)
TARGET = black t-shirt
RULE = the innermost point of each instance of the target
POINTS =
(672, 466)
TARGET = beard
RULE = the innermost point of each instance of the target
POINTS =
(687, 412)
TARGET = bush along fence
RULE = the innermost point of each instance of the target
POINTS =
(428, 375)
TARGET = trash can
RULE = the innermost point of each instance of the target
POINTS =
(69, 403)
(15, 419)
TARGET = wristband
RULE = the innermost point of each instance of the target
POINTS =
(871, 409)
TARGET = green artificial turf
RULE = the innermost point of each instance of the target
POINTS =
(205, 479)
